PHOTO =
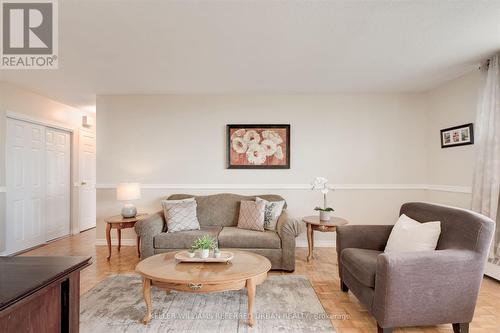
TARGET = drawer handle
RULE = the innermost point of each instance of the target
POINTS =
(195, 286)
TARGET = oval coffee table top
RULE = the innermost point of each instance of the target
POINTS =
(334, 221)
(164, 268)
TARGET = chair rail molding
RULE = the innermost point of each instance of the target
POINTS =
(442, 188)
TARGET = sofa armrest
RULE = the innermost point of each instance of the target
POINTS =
(369, 237)
(426, 288)
(147, 229)
(288, 229)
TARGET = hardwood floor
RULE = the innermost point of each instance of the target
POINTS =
(350, 317)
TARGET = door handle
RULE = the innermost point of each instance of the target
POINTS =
(83, 183)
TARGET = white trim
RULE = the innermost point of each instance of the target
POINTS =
(114, 242)
(492, 271)
(39, 121)
(449, 188)
(444, 188)
(3, 189)
(317, 243)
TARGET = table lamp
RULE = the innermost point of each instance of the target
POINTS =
(128, 192)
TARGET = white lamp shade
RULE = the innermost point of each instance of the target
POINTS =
(128, 191)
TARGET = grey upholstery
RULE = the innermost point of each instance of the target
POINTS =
(418, 288)
(218, 216)
(362, 264)
(235, 237)
(184, 239)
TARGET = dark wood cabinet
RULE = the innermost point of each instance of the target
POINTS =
(40, 294)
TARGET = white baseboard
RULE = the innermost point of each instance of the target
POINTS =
(317, 243)
(492, 271)
(132, 242)
(125, 242)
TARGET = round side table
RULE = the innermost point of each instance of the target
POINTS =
(119, 222)
(313, 223)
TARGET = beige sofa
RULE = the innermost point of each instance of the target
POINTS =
(218, 217)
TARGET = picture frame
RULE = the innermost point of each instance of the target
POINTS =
(457, 136)
(258, 146)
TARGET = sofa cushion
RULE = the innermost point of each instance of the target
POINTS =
(252, 215)
(183, 239)
(361, 263)
(232, 237)
(221, 209)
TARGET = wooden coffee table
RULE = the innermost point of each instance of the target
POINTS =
(246, 269)
(314, 223)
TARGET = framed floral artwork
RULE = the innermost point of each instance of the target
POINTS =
(457, 136)
(258, 146)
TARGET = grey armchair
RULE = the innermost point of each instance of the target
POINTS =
(417, 288)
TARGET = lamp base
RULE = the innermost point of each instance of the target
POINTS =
(129, 211)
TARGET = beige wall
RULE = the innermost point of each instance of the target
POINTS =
(350, 139)
(20, 101)
(451, 104)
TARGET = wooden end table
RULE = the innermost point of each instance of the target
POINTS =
(119, 222)
(313, 223)
(245, 270)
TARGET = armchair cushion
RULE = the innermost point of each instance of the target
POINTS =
(232, 237)
(183, 239)
(362, 264)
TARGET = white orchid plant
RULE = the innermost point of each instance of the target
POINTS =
(321, 184)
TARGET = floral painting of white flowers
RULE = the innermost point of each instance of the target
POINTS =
(258, 146)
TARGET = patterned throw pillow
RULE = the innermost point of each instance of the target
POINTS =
(180, 215)
(272, 212)
(252, 215)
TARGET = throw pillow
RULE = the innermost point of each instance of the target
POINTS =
(252, 215)
(180, 215)
(409, 235)
(272, 212)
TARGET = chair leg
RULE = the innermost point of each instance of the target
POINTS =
(343, 286)
(384, 330)
(461, 327)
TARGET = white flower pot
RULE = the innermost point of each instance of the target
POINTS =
(216, 254)
(204, 253)
(324, 216)
(191, 254)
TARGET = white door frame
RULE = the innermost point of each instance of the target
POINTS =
(71, 130)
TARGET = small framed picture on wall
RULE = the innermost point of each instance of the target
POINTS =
(258, 146)
(457, 136)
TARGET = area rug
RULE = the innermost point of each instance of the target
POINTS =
(282, 303)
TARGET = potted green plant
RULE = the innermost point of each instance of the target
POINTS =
(191, 252)
(204, 244)
(321, 184)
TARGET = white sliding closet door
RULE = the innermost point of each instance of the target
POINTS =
(38, 184)
(25, 185)
(57, 198)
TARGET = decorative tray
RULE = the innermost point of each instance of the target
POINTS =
(225, 256)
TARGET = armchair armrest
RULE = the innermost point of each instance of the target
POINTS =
(288, 229)
(369, 237)
(426, 288)
(147, 229)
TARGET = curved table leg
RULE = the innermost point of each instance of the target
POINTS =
(119, 231)
(310, 241)
(146, 289)
(251, 298)
(108, 239)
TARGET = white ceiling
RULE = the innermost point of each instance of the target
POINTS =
(190, 46)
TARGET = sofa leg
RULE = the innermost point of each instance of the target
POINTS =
(461, 327)
(343, 286)
(383, 330)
